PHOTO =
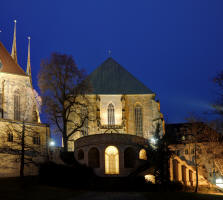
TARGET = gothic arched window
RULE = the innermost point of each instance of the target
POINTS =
(111, 115)
(138, 120)
(16, 105)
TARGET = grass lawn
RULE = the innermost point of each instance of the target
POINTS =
(30, 189)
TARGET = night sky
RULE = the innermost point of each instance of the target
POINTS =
(174, 47)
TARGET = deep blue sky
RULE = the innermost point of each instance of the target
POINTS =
(174, 47)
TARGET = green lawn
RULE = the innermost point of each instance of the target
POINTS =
(30, 189)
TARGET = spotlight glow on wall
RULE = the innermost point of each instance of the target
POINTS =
(219, 182)
(153, 140)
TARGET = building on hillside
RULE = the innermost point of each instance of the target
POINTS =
(197, 142)
(126, 114)
(19, 116)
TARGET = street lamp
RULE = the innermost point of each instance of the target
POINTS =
(52, 143)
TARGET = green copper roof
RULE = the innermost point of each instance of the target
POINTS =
(111, 78)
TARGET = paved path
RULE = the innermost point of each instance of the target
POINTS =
(109, 196)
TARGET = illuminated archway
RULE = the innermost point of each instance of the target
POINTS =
(142, 154)
(111, 160)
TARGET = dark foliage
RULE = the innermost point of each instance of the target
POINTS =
(68, 158)
(161, 159)
(77, 176)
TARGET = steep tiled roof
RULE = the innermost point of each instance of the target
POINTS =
(111, 78)
(7, 64)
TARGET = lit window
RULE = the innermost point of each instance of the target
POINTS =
(111, 115)
(111, 160)
(138, 120)
(16, 106)
(36, 140)
(142, 154)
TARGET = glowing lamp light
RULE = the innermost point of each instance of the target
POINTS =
(219, 182)
(52, 143)
(153, 140)
(150, 178)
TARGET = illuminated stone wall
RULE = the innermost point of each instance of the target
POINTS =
(121, 142)
(209, 157)
(124, 115)
(9, 83)
(9, 163)
(185, 173)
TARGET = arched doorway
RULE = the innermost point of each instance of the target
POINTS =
(80, 155)
(111, 160)
(94, 158)
(129, 158)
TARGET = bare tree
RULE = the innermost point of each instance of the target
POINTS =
(22, 137)
(204, 139)
(63, 90)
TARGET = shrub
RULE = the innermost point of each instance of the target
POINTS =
(64, 175)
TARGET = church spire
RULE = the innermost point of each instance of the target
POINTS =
(14, 51)
(28, 68)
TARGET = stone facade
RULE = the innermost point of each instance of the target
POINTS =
(19, 118)
(181, 171)
(187, 138)
(122, 123)
(124, 115)
(123, 143)
(14, 84)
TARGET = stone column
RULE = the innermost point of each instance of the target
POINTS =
(179, 172)
(171, 168)
(187, 177)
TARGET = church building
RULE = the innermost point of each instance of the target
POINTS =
(19, 116)
(126, 114)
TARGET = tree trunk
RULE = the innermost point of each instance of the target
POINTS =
(22, 156)
(65, 144)
(196, 166)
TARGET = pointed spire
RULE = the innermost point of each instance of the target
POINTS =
(28, 69)
(14, 51)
